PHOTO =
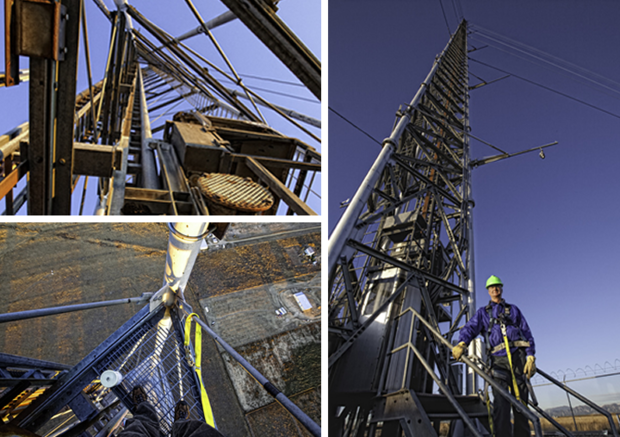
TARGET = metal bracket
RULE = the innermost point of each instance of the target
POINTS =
(405, 407)
(165, 295)
(40, 29)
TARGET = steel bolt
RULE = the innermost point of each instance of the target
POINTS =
(63, 161)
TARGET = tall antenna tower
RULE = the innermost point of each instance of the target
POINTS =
(404, 248)
(401, 278)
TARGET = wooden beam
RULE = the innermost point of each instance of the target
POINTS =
(278, 188)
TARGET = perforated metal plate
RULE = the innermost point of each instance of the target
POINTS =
(235, 192)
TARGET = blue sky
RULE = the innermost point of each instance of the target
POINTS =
(244, 50)
(548, 228)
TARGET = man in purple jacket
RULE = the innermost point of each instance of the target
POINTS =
(503, 323)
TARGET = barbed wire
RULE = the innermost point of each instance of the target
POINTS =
(587, 372)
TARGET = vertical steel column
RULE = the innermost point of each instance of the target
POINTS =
(116, 194)
(40, 145)
(183, 247)
(63, 142)
(471, 381)
(149, 169)
(51, 112)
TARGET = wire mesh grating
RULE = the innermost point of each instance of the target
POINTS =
(154, 357)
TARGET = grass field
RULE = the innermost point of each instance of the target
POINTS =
(594, 422)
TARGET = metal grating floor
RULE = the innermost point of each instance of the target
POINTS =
(154, 357)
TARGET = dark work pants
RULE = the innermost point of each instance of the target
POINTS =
(145, 424)
(501, 406)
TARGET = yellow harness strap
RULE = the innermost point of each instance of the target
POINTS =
(512, 372)
(488, 402)
(206, 405)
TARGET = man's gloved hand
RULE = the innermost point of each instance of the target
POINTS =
(459, 349)
(530, 366)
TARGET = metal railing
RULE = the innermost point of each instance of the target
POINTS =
(483, 374)
(583, 399)
(308, 423)
(498, 389)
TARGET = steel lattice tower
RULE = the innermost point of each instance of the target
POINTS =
(404, 248)
(219, 157)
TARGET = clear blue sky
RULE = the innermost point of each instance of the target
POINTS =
(548, 228)
(247, 54)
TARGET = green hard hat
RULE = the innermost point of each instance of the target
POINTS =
(494, 280)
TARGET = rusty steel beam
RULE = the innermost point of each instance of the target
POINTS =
(95, 160)
(116, 197)
(279, 189)
(51, 115)
(263, 21)
(63, 142)
(11, 60)
(9, 182)
(40, 149)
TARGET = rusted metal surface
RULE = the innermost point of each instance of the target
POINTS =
(10, 180)
(95, 159)
(39, 186)
(11, 60)
(279, 188)
(262, 20)
(62, 158)
(37, 24)
(234, 192)
(199, 147)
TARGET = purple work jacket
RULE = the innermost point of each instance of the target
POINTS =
(479, 324)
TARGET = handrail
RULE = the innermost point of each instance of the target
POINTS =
(295, 411)
(498, 388)
(582, 399)
(446, 392)
(551, 419)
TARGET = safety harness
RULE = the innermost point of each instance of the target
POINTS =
(502, 320)
(195, 363)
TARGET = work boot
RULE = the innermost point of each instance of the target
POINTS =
(181, 410)
(138, 395)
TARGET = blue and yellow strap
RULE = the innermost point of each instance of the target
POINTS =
(195, 362)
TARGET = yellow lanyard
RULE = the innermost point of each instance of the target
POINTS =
(206, 405)
(489, 411)
(509, 355)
